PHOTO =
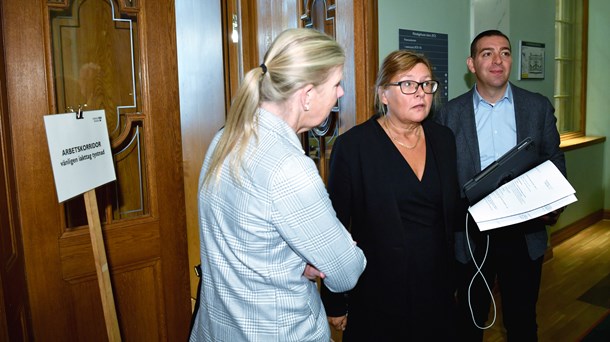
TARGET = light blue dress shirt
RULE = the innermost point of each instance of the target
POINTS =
(257, 233)
(496, 126)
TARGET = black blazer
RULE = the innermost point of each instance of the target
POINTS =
(362, 190)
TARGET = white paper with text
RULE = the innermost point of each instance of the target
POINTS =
(533, 194)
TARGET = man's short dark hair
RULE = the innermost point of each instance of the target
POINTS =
(488, 33)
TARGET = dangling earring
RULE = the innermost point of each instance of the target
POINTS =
(307, 108)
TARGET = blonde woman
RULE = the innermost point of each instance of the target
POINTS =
(267, 226)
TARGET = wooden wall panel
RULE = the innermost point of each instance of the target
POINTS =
(202, 101)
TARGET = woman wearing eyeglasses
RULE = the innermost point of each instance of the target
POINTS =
(393, 183)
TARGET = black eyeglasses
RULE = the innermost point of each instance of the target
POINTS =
(410, 87)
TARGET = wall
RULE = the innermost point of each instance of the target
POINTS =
(437, 16)
(462, 20)
(534, 21)
(588, 167)
(598, 118)
(585, 173)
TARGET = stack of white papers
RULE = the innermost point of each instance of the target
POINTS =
(533, 194)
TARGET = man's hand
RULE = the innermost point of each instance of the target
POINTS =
(552, 217)
(313, 273)
(338, 323)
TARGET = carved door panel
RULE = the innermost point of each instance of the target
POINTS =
(354, 25)
(120, 56)
(320, 15)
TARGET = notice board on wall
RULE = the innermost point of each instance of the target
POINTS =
(436, 48)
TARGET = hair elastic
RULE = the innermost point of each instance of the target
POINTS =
(264, 67)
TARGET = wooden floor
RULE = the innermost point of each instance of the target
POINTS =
(577, 264)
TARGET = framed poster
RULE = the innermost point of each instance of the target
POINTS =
(531, 64)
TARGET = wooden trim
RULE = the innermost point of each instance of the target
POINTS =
(572, 229)
(548, 254)
(15, 313)
(583, 70)
(606, 214)
(249, 32)
(580, 142)
(246, 51)
(366, 46)
(584, 46)
(228, 51)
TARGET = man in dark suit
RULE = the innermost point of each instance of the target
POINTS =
(487, 121)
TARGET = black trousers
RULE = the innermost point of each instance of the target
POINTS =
(518, 278)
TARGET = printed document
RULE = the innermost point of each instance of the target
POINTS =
(535, 193)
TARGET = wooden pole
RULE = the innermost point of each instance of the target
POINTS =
(101, 267)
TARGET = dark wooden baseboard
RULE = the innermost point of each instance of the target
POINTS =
(573, 229)
(548, 254)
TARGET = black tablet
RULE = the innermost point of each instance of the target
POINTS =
(513, 163)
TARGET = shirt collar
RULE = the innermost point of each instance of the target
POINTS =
(278, 126)
(477, 99)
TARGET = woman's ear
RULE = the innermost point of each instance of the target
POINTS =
(381, 94)
(307, 96)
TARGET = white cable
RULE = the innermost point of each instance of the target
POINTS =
(482, 276)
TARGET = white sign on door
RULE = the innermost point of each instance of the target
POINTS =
(80, 152)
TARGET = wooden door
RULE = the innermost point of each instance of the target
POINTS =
(318, 142)
(353, 23)
(14, 312)
(120, 56)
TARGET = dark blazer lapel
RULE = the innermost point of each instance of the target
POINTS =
(521, 113)
(469, 127)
